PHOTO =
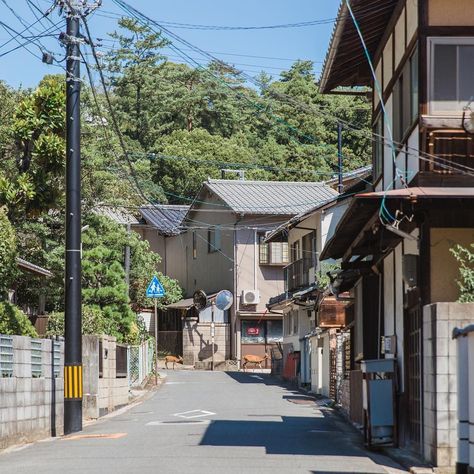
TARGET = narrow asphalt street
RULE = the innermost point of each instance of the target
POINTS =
(204, 422)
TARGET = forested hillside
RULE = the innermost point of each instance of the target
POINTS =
(152, 131)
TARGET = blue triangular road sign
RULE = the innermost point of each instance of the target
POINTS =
(155, 289)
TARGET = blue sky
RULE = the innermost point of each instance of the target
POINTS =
(23, 68)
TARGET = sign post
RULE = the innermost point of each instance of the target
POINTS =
(155, 290)
(156, 340)
(223, 301)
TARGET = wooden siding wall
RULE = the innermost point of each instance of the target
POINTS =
(450, 13)
(394, 51)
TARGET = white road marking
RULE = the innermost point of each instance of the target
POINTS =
(194, 414)
(178, 423)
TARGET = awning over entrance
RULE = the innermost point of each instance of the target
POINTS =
(184, 304)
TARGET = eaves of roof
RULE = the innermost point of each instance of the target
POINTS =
(346, 62)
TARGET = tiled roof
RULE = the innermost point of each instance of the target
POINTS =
(165, 218)
(270, 197)
(117, 214)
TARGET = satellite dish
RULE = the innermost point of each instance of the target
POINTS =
(224, 300)
(200, 299)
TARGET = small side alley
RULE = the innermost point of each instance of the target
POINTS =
(210, 422)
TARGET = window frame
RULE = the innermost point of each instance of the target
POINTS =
(214, 239)
(265, 253)
(404, 112)
(433, 41)
(379, 147)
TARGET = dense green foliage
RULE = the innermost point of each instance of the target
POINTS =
(465, 258)
(8, 252)
(180, 125)
(93, 322)
(14, 322)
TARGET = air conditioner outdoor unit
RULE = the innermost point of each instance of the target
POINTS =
(250, 297)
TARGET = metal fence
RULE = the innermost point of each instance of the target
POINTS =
(140, 363)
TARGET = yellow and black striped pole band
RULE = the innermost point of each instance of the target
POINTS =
(73, 382)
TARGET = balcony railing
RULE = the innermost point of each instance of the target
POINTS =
(297, 274)
(452, 147)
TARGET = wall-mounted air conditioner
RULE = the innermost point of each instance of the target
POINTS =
(250, 297)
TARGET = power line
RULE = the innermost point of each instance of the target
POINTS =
(140, 17)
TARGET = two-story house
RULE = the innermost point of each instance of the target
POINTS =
(312, 317)
(224, 249)
(394, 241)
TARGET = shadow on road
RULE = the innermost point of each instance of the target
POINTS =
(254, 377)
(292, 435)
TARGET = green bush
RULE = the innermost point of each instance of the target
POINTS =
(14, 322)
(93, 322)
(8, 267)
(465, 258)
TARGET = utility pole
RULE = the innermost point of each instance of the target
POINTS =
(340, 186)
(74, 11)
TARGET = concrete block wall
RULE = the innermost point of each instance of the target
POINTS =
(112, 392)
(440, 379)
(90, 376)
(31, 408)
(197, 346)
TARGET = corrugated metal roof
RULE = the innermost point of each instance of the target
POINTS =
(164, 217)
(270, 197)
(118, 214)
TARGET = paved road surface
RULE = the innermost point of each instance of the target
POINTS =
(204, 422)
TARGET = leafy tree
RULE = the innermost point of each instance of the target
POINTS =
(14, 322)
(94, 322)
(465, 258)
(8, 253)
(33, 179)
(104, 276)
(41, 240)
(133, 66)
(180, 177)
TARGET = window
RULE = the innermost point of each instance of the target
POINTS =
(309, 251)
(295, 251)
(451, 72)
(414, 86)
(273, 253)
(405, 98)
(291, 323)
(378, 147)
(214, 239)
(261, 332)
(194, 245)
(295, 322)
(253, 332)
